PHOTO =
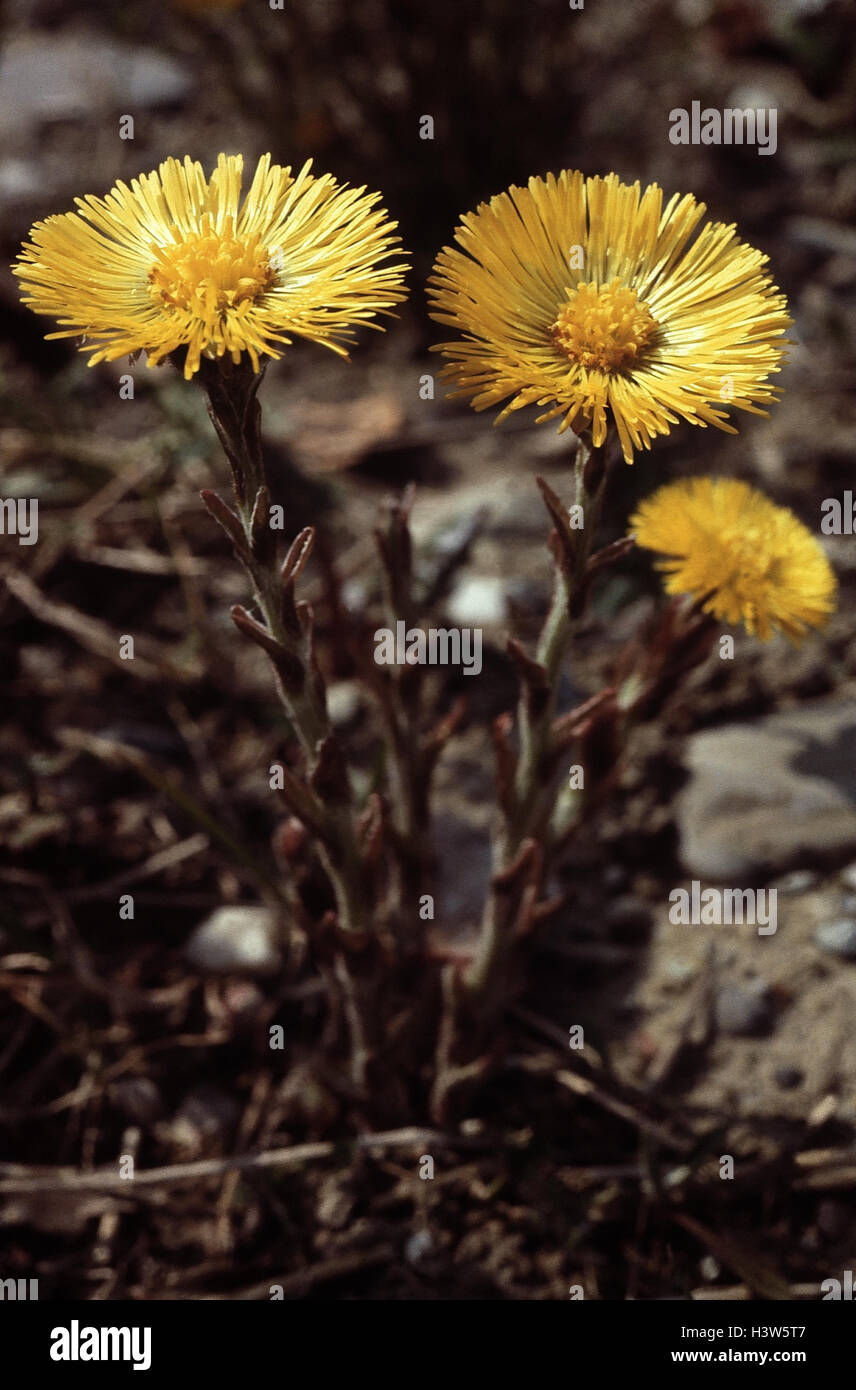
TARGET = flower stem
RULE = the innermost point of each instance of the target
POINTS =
(518, 857)
(286, 632)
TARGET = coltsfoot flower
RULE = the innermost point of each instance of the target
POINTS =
(742, 556)
(592, 298)
(177, 260)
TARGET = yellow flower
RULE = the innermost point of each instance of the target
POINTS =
(742, 556)
(177, 260)
(589, 296)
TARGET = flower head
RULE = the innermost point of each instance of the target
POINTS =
(590, 297)
(178, 260)
(744, 558)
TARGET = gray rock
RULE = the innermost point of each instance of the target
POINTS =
(19, 180)
(463, 867)
(770, 795)
(743, 1010)
(153, 79)
(848, 877)
(517, 509)
(71, 76)
(531, 596)
(241, 939)
(453, 537)
(838, 937)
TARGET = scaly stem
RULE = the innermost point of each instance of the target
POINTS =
(516, 871)
(286, 635)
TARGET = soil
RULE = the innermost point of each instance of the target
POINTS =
(597, 1169)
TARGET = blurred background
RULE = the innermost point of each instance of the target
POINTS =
(112, 1037)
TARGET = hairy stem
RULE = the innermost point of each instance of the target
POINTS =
(517, 867)
(286, 632)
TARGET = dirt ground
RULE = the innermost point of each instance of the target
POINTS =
(597, 1170)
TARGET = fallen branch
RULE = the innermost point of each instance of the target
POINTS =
(17, 1179)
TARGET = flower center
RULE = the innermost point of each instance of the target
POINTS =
(603, 326)
(753, 558)
(210, 272)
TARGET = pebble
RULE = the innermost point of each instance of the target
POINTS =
(848, 877)
(838, 937)
(743, 1010)
(679, 972)
(355, 595)
(242, 939)
(344, 701)
(478, 599)
(798, 881)
(418, 1246)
